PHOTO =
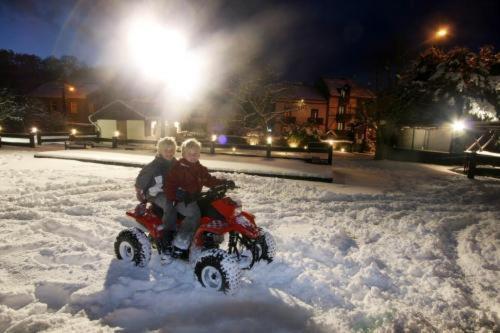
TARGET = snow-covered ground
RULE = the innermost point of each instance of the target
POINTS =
(396, 246)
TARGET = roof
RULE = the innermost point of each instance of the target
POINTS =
(126, 110)
(54, 90)
(336, 84)
(298, 91)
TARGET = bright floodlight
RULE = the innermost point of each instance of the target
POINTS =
(458, 125)
(163, 54)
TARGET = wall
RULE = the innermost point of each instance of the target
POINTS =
(108, 127)
(427, 139)
(135, 130)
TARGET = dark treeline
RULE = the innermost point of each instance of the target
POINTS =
(21, 73)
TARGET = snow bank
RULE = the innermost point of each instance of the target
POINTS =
(421, 254)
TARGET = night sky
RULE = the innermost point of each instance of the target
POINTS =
(302, 39)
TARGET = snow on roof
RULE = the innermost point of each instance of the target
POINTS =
(336, 84)
(127, 110)
(53, 90)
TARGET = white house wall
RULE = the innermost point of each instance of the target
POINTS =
(429, 139)
(135, 130)
(108, 127)
(439, 139)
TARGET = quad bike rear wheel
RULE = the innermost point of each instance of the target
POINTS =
(133, 246)
(217, 270)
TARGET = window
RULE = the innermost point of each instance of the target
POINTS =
(314, 113)
(342, 93)
(340, 126)
(341, 109)
(73, 107)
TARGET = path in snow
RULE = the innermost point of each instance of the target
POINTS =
(421, 253)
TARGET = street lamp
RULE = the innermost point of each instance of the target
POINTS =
(441, 33)
(63, 96)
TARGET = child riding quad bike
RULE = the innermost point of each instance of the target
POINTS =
(215, 268)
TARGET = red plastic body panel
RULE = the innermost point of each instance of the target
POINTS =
(243, 223)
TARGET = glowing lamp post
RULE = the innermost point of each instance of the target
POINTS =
(441, 33)
(212, 143)
(269, 141)
(458, 126)
(114, 142)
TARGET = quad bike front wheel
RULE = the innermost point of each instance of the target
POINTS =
(217, 270)
(133, 246)
(267, 246)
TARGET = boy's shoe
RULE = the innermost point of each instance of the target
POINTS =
(166, 241)
(179, 253)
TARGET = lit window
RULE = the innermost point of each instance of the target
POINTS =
(340, 126)
(341, 109)
(73, 107)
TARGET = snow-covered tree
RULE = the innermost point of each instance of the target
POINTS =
(10, 107)
(444, 85)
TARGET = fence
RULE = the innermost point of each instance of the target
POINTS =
(18, 139)
(213, 148)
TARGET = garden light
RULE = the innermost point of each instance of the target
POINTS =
(34, 130)
(214, 137)
(269, 140)
(234, 149)
(116, 134)
(0, 128)
(73, 131)
(458, 125)
(342, 149)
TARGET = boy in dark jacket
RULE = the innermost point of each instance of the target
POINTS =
(150, 182)
(188, 176)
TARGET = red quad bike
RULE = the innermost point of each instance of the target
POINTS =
(215, 267)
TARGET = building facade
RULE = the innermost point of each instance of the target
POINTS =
(71, 102)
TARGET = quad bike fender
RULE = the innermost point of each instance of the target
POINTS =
(148, 223)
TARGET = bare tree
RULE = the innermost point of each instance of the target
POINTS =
(256, 98)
